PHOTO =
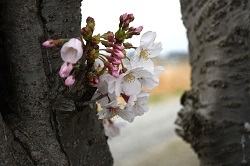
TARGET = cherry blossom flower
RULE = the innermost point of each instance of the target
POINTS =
(106, 84)
(105, 99)
(112, 128)
(151, 82)
(72, 51)
(108, 71)
(138, 104)
(128, 82)
(65, 69)
(147, 50)
(112, 109)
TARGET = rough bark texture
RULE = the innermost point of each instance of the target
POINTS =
(216, 113)
(41, 121)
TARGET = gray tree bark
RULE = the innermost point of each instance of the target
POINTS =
(41, 121)
(216, 112)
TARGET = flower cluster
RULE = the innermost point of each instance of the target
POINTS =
(113, 72)
(128, 83)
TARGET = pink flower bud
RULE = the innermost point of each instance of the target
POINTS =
(138, 29)
(96, 80)
(91, 84)
(118, 54)
(123, 17)
(48, 43)
(65, 69)
(118, 46)
(109, 36)
(111, 67)
(126, 24)
(72, 51)
(90, 20)
(113, 60)
(131, 17)
(70, 80)
(114, 73)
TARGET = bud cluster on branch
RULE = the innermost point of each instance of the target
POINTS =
(111, 70)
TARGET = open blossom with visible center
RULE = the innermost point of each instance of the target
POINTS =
(148, 49)
(138, 104)
(129, 83)
(112, 109)
(72, 51)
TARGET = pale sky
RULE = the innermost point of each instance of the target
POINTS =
(162, 17)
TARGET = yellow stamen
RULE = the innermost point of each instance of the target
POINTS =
(129, 78)
(144, 54)
(136, 103)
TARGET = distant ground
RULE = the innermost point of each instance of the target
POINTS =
(173, 81)
(151, 140)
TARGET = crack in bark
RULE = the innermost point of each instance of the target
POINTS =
(48, 72)
(56, 124)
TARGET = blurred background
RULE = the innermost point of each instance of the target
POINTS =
(150, 140)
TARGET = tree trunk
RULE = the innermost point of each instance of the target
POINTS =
(41, 121)
(216, 113)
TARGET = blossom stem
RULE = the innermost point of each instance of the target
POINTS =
(102, 71)
(127, 58)
(122, 65)
(101, 57)
(132, 47)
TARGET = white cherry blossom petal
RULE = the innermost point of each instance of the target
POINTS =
(126, 115)
(72, 51)
(130, 88)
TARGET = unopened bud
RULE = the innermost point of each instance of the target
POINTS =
(114, 73)
(130, 17)
(96, 80)
(86, 33)
(91, 84)
(70, 80)
(53, 43)
(118, 54)
(109, 36)
(120, 35)
(127, 45)
(113, 60)
(90, 23)
(96, 39)
(106, 43)
(123, 17)
(118, 46)
(65, 69)
(138, 30)
(48, 43)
